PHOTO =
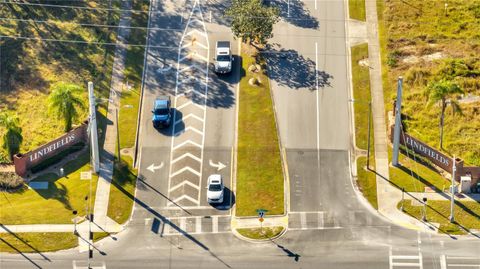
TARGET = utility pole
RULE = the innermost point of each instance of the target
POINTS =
(369, 131)
(398, 122)
(92, 124)
(452, 190)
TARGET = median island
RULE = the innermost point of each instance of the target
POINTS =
(259, 168)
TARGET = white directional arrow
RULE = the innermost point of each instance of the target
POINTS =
(219, 166)
(152, 167)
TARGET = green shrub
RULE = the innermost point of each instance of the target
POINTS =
(10, 181)
(55, 159)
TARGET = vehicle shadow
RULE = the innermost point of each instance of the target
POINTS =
(289, 68)
(228, 200)
(177, 116)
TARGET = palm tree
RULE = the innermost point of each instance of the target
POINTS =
(443, 91)
(12, 138)
(64, 100)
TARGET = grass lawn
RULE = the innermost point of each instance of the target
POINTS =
(36, 242)
(366, 180)
(29, 67)
(54, 205)
(264, 233)
(129, 103)
(414, 177)
(357, 9)
(412, 34)
(122, 190)
(467, 215)
(361, 94)
(261, 187)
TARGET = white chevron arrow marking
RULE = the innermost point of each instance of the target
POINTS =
(189, 116)
(185, 143)
(185, 182)
(186, 168)
(188, 154)
(189, 128)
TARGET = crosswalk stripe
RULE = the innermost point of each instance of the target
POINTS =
(183, 224)
(303, 220)
(198, 224)
(321, 223)
(215, 224)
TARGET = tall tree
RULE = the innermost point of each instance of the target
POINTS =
(12, 138)
(64, 100)
(443, 91)
(252, 21)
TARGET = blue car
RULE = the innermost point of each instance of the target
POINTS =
(162, 114)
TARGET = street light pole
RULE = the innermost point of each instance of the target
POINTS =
(452, 190)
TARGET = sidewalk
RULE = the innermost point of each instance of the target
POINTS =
(387, 195)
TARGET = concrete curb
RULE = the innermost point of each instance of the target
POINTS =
(259, 241)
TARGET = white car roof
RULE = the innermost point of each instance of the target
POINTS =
(215, 178)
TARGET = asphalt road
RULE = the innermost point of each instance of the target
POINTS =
(330, 226)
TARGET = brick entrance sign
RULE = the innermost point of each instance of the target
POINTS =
(25, 162)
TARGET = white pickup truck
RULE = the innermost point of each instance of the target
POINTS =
(223, 57)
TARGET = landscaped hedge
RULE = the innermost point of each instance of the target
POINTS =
(55, 159)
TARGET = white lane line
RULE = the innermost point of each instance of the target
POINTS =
(463, 258)
(464, 265)
(214, 224)
(406, 257)
(198, 224)
(420, 259)
(443, 262)
(303, 220)
(321, 223)
(405, 264)
(186, 168)
(390, 258)
(315, 4)
(183, 183)
(188, 154)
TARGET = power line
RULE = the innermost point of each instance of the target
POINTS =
(76, 7)
(90, 24)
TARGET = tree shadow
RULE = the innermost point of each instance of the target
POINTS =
(289, 68)
(295, 13)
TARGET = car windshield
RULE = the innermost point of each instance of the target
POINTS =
(161, 111)
(223, 58)
(215, 187)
